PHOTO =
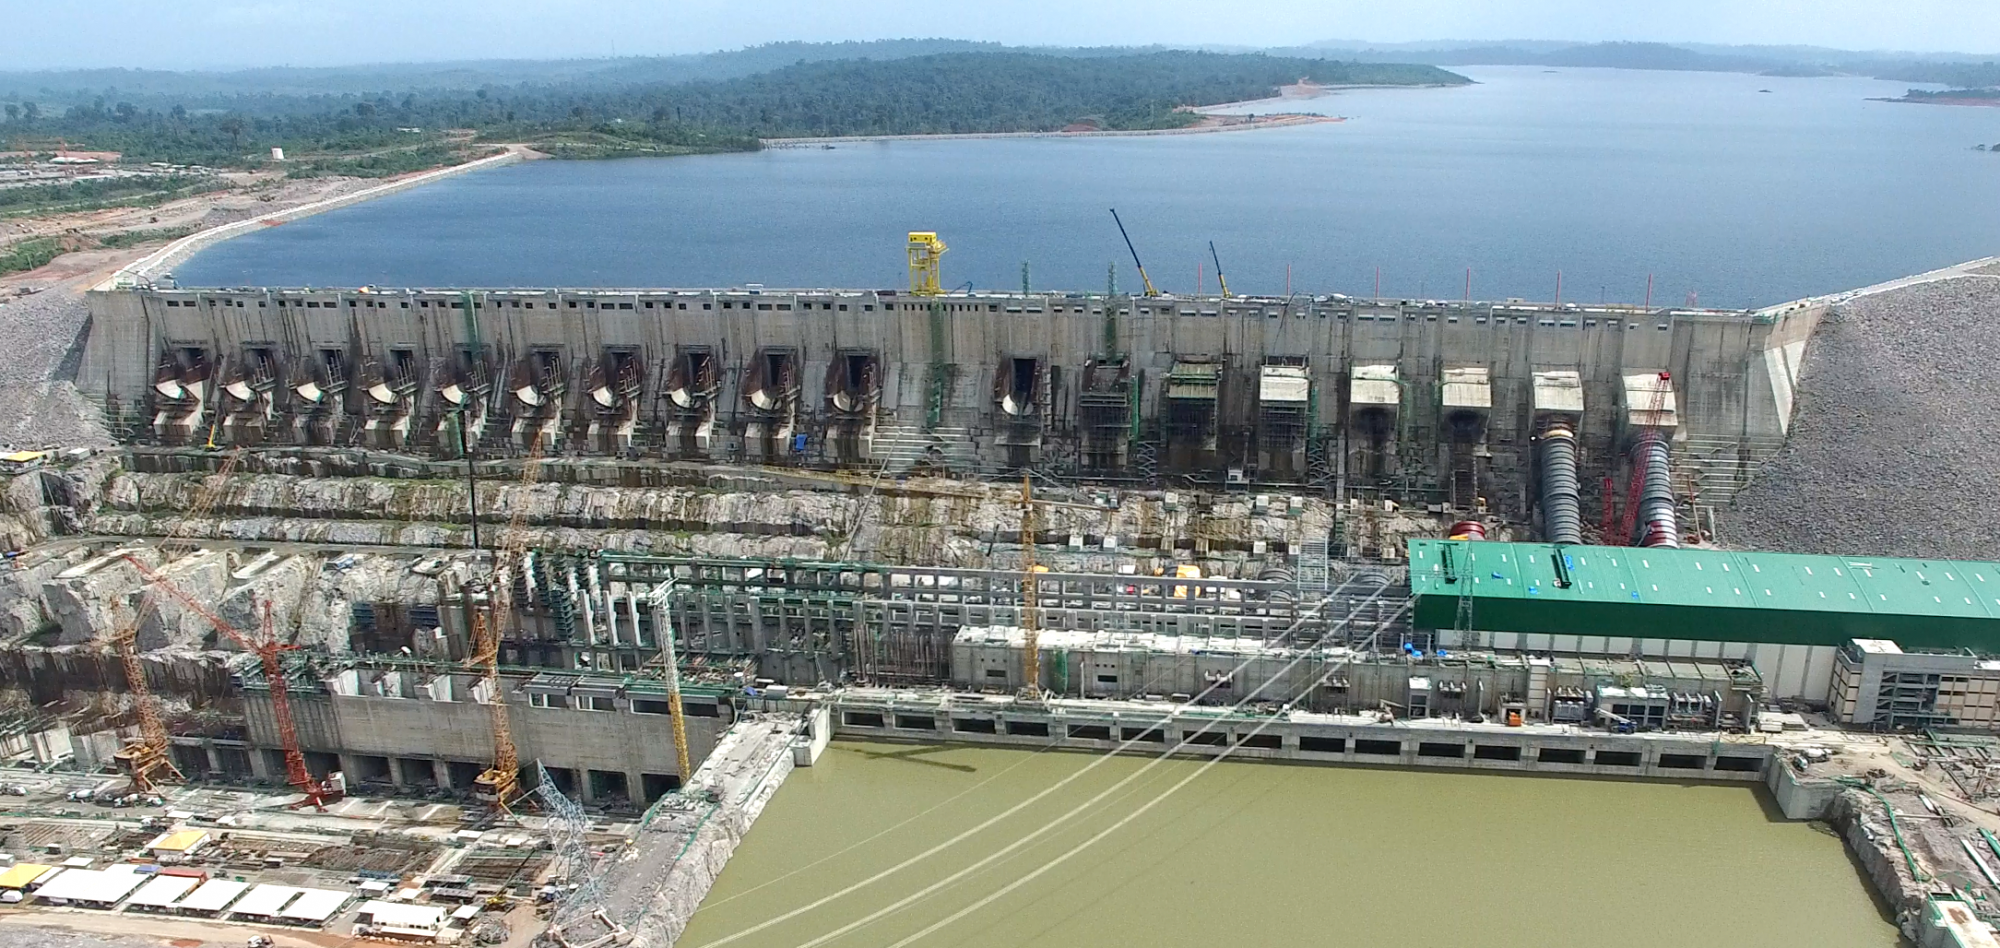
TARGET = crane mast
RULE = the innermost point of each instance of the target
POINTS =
(1219, 279)
(663, 622)
(318, 793)
(1031, 651)
(500, 785)
(149, 759)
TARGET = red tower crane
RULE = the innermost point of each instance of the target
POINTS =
(318, 793)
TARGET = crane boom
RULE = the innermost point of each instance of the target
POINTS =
(1031, 645)
(1143, 278)
(500, 785)
(663, 621)
(317, 793)
(149, 759)
(1220, 281)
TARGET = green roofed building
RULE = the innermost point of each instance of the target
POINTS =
(1705, 595)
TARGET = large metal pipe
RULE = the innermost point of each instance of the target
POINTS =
(1562, 504)
(1658, 525)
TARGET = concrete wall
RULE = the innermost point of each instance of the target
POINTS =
(619, 741)
(1298, 736)
(959, 354)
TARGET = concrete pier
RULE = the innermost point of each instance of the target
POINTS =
(1147, 727)
(687, 838)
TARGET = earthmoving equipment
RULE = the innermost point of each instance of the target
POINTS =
(1143, 278)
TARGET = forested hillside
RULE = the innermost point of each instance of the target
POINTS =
(951, 92)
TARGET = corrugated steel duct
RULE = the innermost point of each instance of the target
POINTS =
(1562, 504)
(1658, 524)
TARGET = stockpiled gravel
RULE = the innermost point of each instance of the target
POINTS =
(1894, 448)
(24, 936)
(41, 341)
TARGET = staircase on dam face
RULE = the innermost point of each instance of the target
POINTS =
(902, 447)
(1712, 470)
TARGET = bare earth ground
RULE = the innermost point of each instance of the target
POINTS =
(46, 929)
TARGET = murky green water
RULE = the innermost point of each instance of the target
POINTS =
(1267, 854)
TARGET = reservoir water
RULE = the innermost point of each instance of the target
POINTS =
(1268, 854)
(1743, 190)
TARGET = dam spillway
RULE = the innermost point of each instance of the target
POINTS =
(1415, 401)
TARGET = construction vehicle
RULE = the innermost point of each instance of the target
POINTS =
(499, 787)
(663, 625)
(149, 760)
(1219, 279)
(1031, 646)
(318, 793)
(1143, 278)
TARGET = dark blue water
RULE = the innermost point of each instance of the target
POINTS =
(1715, 188)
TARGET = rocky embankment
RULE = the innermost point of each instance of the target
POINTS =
(1891, 450)
(41, 345)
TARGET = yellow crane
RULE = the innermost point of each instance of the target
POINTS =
(1143, 278)
(1031, 624)
(663, 626)
(149, 760)
(926, 263)
(500, 785)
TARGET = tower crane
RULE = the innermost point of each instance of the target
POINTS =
(1143, 278)
(149, 759)
(500, 785)
(318, 793)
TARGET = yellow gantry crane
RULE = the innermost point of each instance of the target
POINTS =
(926, 264)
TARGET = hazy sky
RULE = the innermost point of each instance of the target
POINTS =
(225, 34)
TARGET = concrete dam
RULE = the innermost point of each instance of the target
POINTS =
(1413, 401)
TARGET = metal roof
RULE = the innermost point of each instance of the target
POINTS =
(162, 891)
(266, 900)
(20, 874)
(213, 896)
(100, 886)
(1709, 595)
(316, 905)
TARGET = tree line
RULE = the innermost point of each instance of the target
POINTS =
(944, 93)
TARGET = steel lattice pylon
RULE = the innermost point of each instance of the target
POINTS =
(566, 827)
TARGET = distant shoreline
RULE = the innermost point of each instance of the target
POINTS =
(1980, 102)
(1279, 120)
